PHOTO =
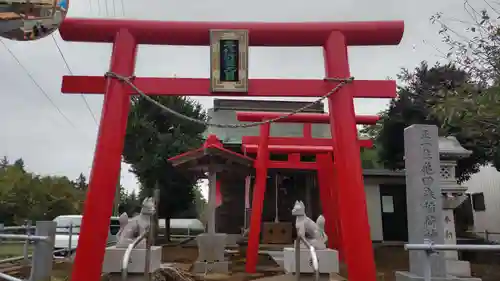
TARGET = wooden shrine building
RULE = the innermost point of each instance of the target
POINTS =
(290, 185)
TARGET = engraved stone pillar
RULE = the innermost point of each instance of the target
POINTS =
(423, 198)
(426, 175)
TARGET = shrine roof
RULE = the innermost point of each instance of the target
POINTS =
(212, 153)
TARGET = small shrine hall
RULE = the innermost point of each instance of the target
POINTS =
(284, 186)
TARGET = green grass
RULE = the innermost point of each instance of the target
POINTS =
(8, 250)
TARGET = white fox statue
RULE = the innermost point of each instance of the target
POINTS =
(313, 232)
(132, 228)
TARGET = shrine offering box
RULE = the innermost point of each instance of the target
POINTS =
(277, 233)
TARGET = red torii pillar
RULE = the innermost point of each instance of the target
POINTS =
(327, 178)
(126, 34)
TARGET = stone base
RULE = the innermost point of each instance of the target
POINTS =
(311, 277)
(211, 267)
(407, 276)
(458, 268)
(211, 247)
(130, 277)
(232, 240)
(328, 261)
(114, 256)
(278, 257)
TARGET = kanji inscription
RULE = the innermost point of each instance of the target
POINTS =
(424, 201)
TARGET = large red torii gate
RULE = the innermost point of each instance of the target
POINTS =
(127, 34)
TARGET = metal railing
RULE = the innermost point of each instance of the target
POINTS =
(430, 248)
(314, 258)
(486, 234)
(41, 266)
(29, 230)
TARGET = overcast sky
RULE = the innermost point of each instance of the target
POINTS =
(33, 129)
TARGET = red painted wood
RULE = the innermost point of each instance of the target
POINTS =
(326, 198)
(306, 130)
(218, 194)
(353, 215)
(260, 33)
(334, 191)
(286, 149)
(292, 141)
(261, 166)
(317, 118)
(106, 167)
(257, 87)
(295, 166)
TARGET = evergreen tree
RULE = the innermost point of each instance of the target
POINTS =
(154, 136)
(81, 182)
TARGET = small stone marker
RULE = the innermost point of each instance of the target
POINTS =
(424, 199)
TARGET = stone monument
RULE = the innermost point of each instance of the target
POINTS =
(453, 194)
(211, 245)
(130, 230)
(314, 234)
(424, 203)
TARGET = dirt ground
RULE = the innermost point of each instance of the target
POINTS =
(388, 260)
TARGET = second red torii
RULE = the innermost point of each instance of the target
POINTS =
(263, 145)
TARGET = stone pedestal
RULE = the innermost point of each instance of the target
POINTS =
(311, 277)
(211, 254)
(328, 261)
(114, 256)
(408, 276)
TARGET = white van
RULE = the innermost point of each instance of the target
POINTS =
(189, 227)
(65, 222)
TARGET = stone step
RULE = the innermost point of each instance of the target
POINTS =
(303, 277)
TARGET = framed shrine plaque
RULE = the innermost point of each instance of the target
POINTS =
(229, 60)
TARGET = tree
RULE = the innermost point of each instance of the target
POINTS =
(129, 202)
(474, 46)
(46, 196)
(4, 162)
(423, 90)
(154, 136)
(19, 163)
(200, 202)
(474, 42)
(370, 159)
(197, 208)
(81, 182)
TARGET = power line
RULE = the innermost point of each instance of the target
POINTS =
(90, 6)
(98, 7)
(38, 85)
(71, 72)
(123, 8)
(106, 7)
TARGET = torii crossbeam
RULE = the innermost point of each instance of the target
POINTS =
(127, 34)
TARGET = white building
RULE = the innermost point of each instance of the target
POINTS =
(484, 195)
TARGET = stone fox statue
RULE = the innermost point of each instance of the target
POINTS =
(132, 228)
(307, 228)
